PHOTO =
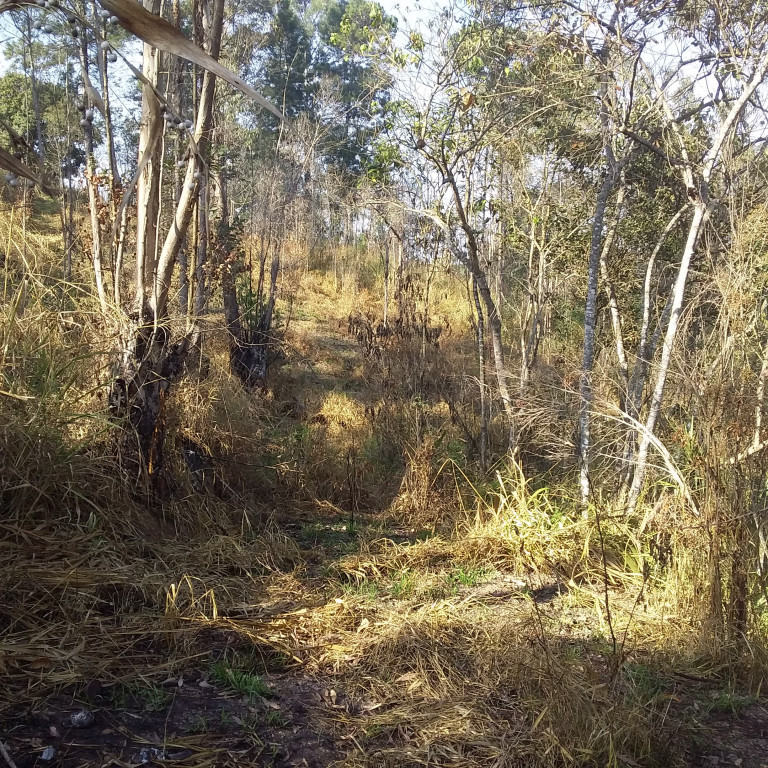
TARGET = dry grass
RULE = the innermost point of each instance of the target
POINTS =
(472, 684)
(487, 640)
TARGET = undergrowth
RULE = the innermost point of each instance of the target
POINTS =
(471, 620)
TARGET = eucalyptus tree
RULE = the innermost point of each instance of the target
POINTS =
(718, 81)
(149, 358)
(449, 127)
(672, 87)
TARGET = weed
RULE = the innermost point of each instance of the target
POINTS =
(729, 703)
(146, 696)
(225, 718)
(120, 697)
(250, 726)
(153, 698)
(442, 590)
(645, 683)
(373, 732)
(364, 588)
(275, 661)
(468, 576)
(403, 585)
(276, 719)
(198, 725)
(334, 535)
(241, 681)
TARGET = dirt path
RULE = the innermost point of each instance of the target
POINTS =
(323, 635)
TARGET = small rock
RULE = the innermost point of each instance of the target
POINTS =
(148, 754)
(82, 719)
(48, 754)
(54, 731)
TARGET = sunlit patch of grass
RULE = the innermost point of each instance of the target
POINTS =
(462, 678)
(403, 585)
(240, 681)
(468, 576)
(365, 589)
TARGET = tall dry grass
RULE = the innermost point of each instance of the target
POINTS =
(480, 620)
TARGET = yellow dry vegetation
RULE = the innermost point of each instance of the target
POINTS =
(462, 623)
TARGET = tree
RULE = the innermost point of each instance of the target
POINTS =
(149, 360)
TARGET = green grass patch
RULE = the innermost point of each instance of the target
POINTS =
(241, 681)
(645, 683)
(403, 585)
(364, 588)
(276, 719)
(468, 576)
(729, 703)
(146, 696)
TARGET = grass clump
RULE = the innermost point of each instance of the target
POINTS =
(468, 576)
(242, 681)
(365, 589)
(403, 585)
(463, 684)
(145, 696)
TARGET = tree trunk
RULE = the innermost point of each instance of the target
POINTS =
(149, 362)
(91, 182)
(613, 302)
(386, 279)
(590, 321)
(183, 214)
(700, 212)
(472, 261)
(148, 185)
(646, 349)
(481, 368)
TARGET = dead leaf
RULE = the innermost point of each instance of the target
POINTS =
(41, 662)
(163, 35)
(10, 163)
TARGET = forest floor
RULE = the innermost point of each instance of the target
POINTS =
(335, 636)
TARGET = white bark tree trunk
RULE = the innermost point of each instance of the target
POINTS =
(702, 207)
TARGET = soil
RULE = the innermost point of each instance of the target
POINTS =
(197, 724)
(194, 720)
